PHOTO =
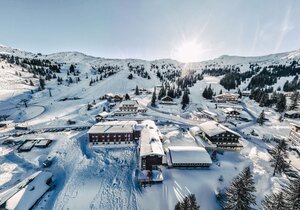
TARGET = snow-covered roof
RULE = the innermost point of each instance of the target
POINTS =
(295, 124)
(227, 95)
(104, 114)
(189, 154)
(129, 102)
(6, 122)
(28, 196)
(209, 113)
(113, 127)
(212, 128)
(229, 109)
(150, 140)
(292, 112)
(167, 98)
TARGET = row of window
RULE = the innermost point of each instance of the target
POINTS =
(116, 142)
(114, 135)
(225, 139)
(191, 164)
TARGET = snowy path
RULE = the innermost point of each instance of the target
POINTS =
(105, 181)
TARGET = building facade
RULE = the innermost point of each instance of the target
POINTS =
(294, 136)
(219, 135)
(227, 97)
(292, 114)
(114, 132)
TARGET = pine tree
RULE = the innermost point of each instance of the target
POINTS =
(281, 103)
(127, 97)
(279, 153)
(204, 94)
(130, 76)
(31, 83)
(293, 194)
(261, 118)
(294, 99)
(162, 93)
(239, 196)
(188, 203)
(193, 202)
(42, 83)
(274, 201)
(137, 92)
(50, 94)
(264, 99)
(89, 107)
(185, 99)
(72, 68)
(153, 100)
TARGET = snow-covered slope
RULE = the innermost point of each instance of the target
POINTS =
(222, 61)
(243, 62)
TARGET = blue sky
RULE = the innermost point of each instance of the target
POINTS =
(191, 30)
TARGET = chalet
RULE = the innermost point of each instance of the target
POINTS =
(231, 112)
(292, 114)
(6, 124)
(21, 127)
(246, 93)
(294, 136)
(118, 98)
(102, 116)
(167, 100)
(219, 135)
(108, 96)
(226, 97)
(188, 156)
(114, 132)
(288, 94)
(129, 107)
(151, 153)
(113, 97)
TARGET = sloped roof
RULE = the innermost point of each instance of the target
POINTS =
(189, 154)
(129, 102)
(150, 140)
(113, 127)
(229, 109)
(212, 128)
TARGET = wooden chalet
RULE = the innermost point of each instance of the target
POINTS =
(292, 114)
(219, 135)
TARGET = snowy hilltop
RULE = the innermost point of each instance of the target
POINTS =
(84, 132)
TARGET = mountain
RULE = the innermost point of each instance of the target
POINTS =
(145, 73)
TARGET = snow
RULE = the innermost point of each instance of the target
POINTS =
(212, 128)
(189, 155)
(106, 178)
(292, 112)
(150, 143)
(28, 196)
(113, 127)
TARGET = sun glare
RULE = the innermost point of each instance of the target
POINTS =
(188, 51)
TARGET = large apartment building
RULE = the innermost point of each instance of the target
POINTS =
(114, 132)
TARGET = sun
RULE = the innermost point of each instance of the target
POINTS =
(188, 51)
